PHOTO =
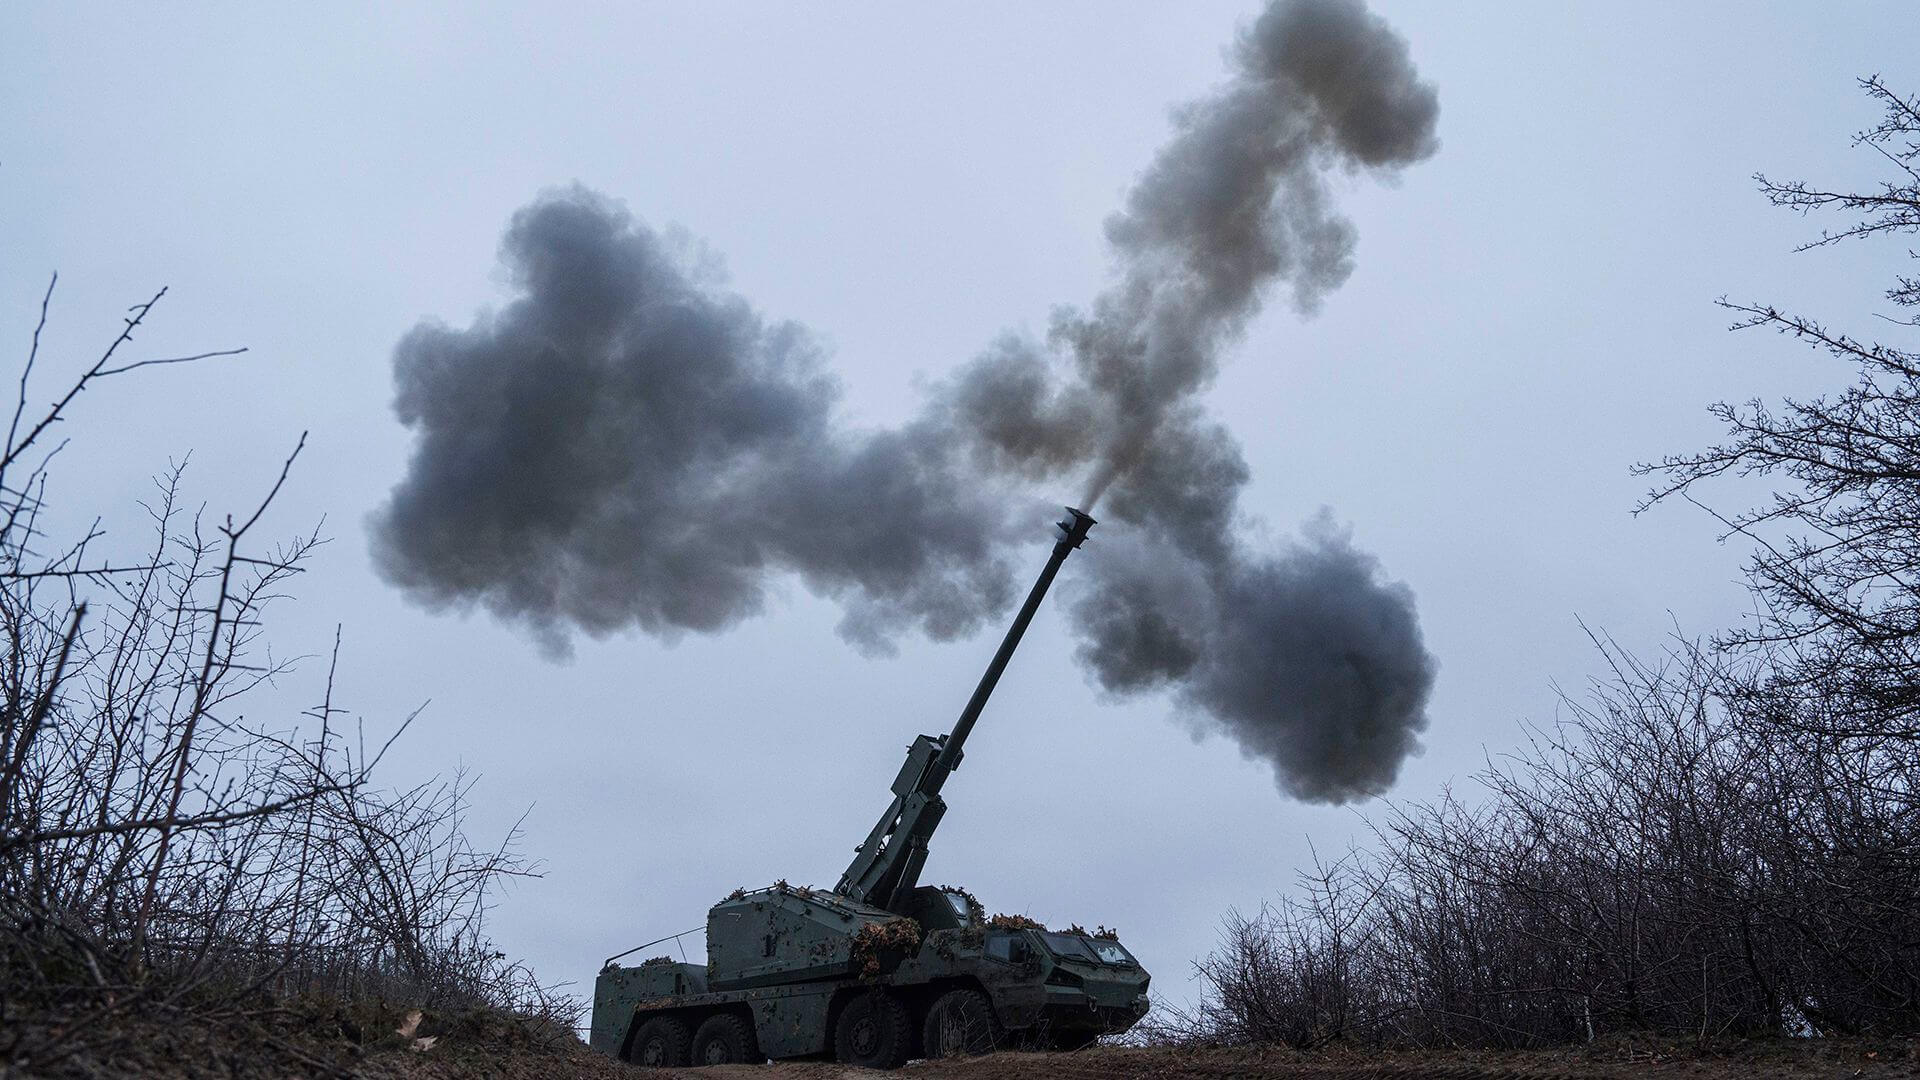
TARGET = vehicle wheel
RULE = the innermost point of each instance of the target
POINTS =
(961, 1022)
(874, 1031)
(661, 1042)
(726, 1039)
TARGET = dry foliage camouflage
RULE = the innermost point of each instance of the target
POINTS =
(876, 939)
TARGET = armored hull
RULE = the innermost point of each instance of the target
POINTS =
(810, 974)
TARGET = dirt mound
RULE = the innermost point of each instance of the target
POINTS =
(313, 1037)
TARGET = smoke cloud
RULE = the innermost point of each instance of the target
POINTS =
(627, 444)
(1307, 658)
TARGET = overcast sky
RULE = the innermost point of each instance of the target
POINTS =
(1531, 314)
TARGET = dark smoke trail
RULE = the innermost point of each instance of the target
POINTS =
(627, 444)
(1308, 659)
(1233, 204)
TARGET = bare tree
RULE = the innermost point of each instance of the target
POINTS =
(162, 847)
(1836, 563)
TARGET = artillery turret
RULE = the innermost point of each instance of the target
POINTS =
(879, 969)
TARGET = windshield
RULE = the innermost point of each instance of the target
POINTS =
(1068, 946)
(959, 902)
(1098, 950)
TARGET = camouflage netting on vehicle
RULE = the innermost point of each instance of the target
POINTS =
(976, 911)
(876, 939)
(1014, 922)
(656, 961)
(948, 944)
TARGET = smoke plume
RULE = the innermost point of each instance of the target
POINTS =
(1306, 658)
(628, 444)
(1236, 202)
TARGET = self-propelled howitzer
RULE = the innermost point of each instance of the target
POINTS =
(879, 969)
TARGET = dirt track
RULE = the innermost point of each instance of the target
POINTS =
(1767, 1061)
(467, 1049)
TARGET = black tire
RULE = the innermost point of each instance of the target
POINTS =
(661, 1042)
(726, 1039)
(873, 1031)
(961, 1023)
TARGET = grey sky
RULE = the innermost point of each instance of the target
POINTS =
(1531, 312)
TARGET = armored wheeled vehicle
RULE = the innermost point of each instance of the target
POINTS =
(879, 969)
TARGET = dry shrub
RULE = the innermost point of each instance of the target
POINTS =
(169, 843)
(1682, 855)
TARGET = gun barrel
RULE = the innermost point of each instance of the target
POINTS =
(887, 866)
(1073, 532)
